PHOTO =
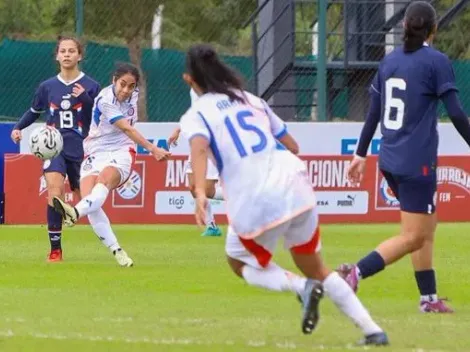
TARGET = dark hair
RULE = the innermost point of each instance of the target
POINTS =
(123, 68)
(77, 42)
(210, 73)
(420, 22)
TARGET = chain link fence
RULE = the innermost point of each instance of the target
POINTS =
(154, 34)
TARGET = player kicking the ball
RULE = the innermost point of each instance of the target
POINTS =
(109, 156)
(268, 193)
(213, 189)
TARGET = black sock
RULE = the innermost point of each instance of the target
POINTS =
(371, 264)
(54, 223)
(426, 280)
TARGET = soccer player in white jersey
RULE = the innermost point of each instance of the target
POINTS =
(266, 188)
(109, 156)
(213, 189)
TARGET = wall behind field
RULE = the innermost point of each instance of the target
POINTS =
(25, 64)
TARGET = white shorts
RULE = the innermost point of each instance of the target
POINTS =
(122, 160)
(301, 235)
(212, 172)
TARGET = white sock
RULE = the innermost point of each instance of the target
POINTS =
(102, 227)
(429, 298)
(273, 278)
(93, 201)
(210, 221)
(343, 296)
(218, 195)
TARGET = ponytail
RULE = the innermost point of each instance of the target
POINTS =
(420, 22)
(211, 74)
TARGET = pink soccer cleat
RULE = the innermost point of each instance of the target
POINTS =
(438, 306)
(349, 273)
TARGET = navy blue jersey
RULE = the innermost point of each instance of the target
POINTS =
(409, 86)
(70, 115)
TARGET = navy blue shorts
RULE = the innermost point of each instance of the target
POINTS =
(416, 194)
(65, 166)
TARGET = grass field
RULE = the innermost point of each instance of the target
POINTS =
(181, 296)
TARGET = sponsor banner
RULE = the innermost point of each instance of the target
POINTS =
(314, 138)
(182, 203)
(157, 192)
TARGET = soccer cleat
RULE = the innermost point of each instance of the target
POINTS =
(377, 339)
(212, 231)
(438, 306)
(55, 256)
(349, 273)
(310, 299)
(122, 258)
(69, 214)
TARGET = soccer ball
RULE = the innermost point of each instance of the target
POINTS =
(46, 142)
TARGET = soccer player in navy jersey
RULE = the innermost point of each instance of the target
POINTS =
(404, 98)
(67, 100)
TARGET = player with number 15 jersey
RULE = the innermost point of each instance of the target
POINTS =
(268, 193)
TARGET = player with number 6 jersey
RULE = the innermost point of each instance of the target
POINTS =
(67, 101)
(269, 196)
(405, 94)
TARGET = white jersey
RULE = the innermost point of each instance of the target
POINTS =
(103, 135)
(264, 184)
(212, 173)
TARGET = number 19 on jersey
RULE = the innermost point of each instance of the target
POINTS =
(66, 119)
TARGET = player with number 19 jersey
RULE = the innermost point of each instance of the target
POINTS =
(265, 184)
(71, 116)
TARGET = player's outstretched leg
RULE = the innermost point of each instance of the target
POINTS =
(89, 204)
(251, 260)
(342, 295)
(417, 230)
(102, 228)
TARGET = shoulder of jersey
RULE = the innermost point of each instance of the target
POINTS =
(107, 93)
(50, 80)
(91, 80)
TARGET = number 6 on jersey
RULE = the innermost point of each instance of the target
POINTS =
(392, 102)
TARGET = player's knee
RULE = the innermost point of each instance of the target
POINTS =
(54, 190)
(236, 266)
(192, 189)
(210, 189)
(416, 240)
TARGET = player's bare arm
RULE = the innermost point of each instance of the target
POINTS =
(173, 139)
(135, 136)
(199, 155)
(290, 143)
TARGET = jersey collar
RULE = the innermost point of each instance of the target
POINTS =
(79, 77)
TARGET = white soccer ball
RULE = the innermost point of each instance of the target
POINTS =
(46, 142)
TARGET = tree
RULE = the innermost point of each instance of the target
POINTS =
(119, 20)
(216, 21)
(20, 19)
(454, 39)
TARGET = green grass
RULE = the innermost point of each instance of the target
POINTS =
(181, 296)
